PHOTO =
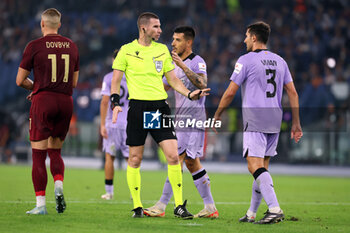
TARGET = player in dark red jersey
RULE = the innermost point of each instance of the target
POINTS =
(54, 60)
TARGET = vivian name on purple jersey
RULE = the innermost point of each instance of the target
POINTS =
(185, 108)
(124, 102)
(261, 75)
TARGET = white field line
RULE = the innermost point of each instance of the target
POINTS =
(191, 224)
(95, 201)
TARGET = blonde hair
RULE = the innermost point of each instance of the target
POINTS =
(52, 17)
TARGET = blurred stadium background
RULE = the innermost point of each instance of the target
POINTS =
(313, 36)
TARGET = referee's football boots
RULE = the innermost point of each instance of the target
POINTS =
(138, 212)
(271, 218)
(181, 212)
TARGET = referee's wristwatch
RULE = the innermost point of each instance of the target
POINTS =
(189, 95)
(114, 100)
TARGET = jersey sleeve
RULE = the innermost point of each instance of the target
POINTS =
(119, 62)
(287, 75)
(239, 74)
(199, 66)
(106, 86)
(27, 58)
(168, 61)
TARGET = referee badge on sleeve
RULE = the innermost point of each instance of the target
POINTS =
(159, 65)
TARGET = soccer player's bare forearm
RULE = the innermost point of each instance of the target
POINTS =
(294, 104)
(103, 109)
(224, 103)
(197, 80)
(295, 116)
(295, 109)
(27, 84)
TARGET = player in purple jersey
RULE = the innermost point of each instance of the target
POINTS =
(262, 76)
(114, 135)
(191, 70)
(54, 60)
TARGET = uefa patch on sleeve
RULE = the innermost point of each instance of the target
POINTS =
(238, 68)
(202, 67)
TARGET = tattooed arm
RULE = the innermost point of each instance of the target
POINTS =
(199, 80)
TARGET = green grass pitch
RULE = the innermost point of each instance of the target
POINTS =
(311, 204)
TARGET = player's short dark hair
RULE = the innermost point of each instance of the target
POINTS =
(188, 32)
(145, 17)
(261, 30)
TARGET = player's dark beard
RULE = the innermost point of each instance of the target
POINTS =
(181, 53)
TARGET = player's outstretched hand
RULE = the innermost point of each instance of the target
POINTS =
(296, 133)
(116, 110)
(197, 94)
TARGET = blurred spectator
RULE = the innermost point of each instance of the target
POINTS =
(316, 99)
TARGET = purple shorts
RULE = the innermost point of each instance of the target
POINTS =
(256, 144)
(116, 141)
(191, 142)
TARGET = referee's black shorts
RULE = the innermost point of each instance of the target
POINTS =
(140, 116)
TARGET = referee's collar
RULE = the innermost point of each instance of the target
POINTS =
(143, 46)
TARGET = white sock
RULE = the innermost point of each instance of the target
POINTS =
(58, 187)
(210, 207)
(275, 210)
(161, 205)
(251, 214)
(40, 201)
(109, 188)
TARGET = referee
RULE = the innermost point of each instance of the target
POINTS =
(144, 63)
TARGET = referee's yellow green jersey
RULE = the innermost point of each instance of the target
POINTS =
(144, 67)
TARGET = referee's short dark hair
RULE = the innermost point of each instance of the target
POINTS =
(261, 30)
(188, 32)
(145, 17)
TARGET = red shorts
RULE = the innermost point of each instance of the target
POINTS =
(50, 115)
